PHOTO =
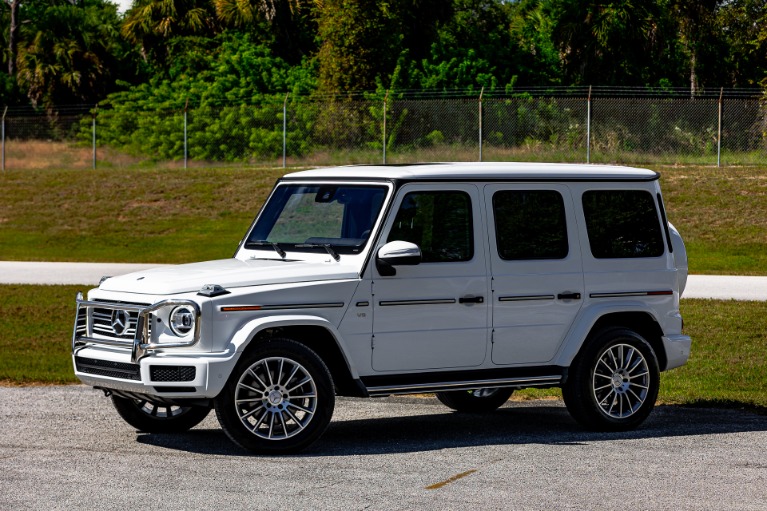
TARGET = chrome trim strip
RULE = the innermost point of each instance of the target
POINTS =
(288, 306)
(436, 301)
(525, 298)
(666, 292)
(528, 381)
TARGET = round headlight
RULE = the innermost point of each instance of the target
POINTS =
(182, 320)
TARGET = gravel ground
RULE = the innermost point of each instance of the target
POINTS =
(66, 448)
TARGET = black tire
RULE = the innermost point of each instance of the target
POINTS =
(613, 383)
(153, 417)
(476, 400)
(279, 399)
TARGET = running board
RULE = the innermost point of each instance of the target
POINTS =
(420, 388)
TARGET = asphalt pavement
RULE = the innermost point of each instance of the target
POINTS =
(88, 274)
(65, 448)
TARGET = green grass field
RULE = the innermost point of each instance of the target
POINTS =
(176, 215)
(728, 365)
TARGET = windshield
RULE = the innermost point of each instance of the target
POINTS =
(318, 216)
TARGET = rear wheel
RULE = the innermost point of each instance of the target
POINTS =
(476, 400)
(154, 417)
(613, 383)
(279, 398)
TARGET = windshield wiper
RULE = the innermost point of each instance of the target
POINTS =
(263, 243)
(329, 249)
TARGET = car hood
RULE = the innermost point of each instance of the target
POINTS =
(228, 273)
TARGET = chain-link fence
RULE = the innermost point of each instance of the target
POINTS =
(600, 125)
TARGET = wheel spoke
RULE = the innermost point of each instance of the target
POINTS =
(292, 373)
(305, 410)
(295, 419)
(301, 384)
(259, 380)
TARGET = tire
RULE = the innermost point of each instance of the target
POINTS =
(476, 400)
(613, 383)
(151, 417)
(279, 399)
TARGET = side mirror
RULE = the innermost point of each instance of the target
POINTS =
(397, 253)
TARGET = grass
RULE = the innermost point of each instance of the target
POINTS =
(172, 215)
(728, 364)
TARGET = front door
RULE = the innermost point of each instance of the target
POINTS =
(433, 315)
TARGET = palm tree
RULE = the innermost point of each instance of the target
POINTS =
(240, 13)
(66, 52)
(150, 23)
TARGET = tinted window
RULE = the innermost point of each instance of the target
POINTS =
(439, 223)
(622, 223)
(530, 224)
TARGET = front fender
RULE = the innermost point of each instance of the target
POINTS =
(250, 330)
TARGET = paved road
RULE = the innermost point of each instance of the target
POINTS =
(65, 448)
(698, 286)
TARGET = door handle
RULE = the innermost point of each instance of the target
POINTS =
(569, 296)
(472, 299)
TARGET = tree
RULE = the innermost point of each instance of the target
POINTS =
(696, 20)
(151, 23)
(68, 53)
(13, 34)
(601, 43)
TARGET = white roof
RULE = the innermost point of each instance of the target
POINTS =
(480, 171)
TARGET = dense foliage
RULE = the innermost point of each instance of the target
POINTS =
(232, 62)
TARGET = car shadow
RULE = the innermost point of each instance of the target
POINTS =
(539, 423)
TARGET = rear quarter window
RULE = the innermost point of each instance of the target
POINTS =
(622, 224)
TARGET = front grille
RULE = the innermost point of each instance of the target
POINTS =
(107, 321)
(108, 368)
(172, 373)
(114, 322)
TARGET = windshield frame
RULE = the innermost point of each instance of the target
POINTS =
(265, 249)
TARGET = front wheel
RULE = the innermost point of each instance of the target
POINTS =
(152, 417)
(613, 383)
(476, 400)
(279, 398)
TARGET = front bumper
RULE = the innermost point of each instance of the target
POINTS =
(193, 376)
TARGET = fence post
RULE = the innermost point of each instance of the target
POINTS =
(3, 135)
(719, 132)
(285, 131)
(588, 127)
(481, 93)
(186, 140)
(95, 112)
(386, 98)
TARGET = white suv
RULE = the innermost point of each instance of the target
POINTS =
(468, 280)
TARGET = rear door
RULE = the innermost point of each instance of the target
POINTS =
(537, 277)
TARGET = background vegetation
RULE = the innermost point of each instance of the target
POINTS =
(60, 52)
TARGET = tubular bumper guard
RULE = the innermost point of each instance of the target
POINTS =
(141, 343)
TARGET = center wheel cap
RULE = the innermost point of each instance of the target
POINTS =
(275, 397)
(617, 380)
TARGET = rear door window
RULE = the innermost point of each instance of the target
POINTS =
(530, 224)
